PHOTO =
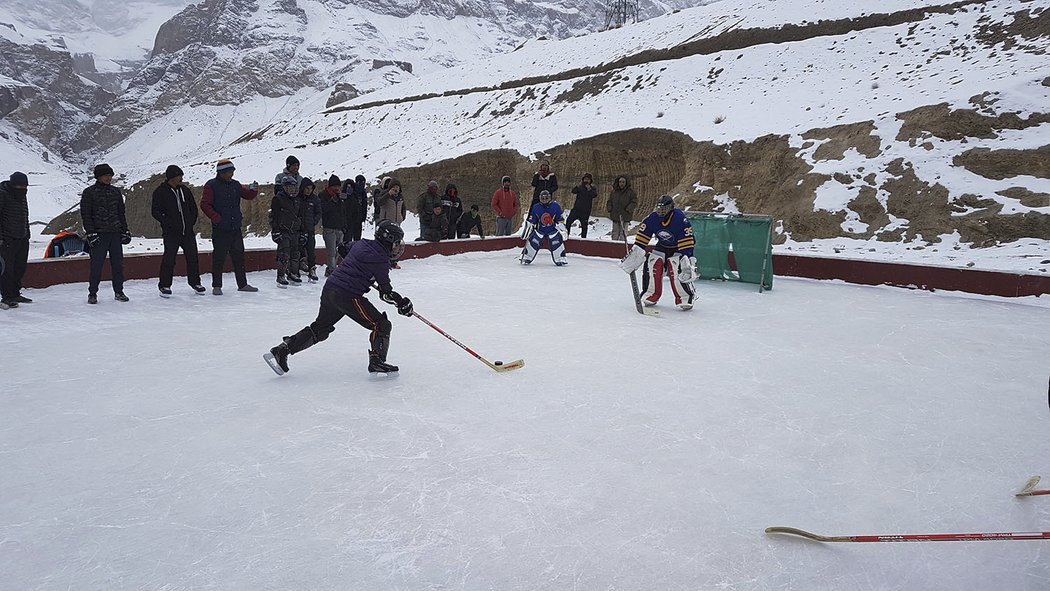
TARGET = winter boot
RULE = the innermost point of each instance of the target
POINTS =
(92, 298)
(165, 292)
(120, 297)
(295, 279)
(198, 289)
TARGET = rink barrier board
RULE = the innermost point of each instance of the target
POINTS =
(42, 273)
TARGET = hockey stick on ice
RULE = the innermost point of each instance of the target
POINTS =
(975, 537)
(641, 309)
(1029, 489)
(497, 366)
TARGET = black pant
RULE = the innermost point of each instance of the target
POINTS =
(353, 231)
(227, 242)
(311, 250)
(172, 244)
(583, 216)
(108, 243)
(335, 304)
(15, 254)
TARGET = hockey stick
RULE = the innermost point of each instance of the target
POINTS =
(634, 281)
(1029, 489)
(497, 366)
(976, 537)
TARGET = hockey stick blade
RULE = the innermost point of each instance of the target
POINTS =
(510, 366)
(963, 537)
(1029, 489)
(269, 359)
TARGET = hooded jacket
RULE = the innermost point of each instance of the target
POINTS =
(14, 213)
(175, 209)
(622, 202)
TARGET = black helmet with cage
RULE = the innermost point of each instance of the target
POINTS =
(392, 237)
(664, 205)
(545, 197)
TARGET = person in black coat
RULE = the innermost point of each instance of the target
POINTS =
(355, 199)
(286, 226)
(544, 180)
(453, 206)
(106, 226)
(333, 222)
(176, 210)
(14, 239)
(581, 208)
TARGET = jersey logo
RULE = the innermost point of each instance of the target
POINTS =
(546, 219)
(665, 237)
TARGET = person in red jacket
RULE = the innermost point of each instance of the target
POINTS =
(505, 205)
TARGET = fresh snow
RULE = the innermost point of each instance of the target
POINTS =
(629, 453)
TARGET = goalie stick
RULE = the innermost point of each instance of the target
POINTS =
(1029, 489)
(641, 309)
(974, 537)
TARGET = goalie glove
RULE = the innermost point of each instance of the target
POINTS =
(563, 231)
(633, 260)
(686, 269)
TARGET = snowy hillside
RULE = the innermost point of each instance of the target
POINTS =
(727, 73)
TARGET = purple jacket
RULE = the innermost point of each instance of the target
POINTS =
(367, 260)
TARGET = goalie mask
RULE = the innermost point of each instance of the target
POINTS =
(392, 237)
(664, 206)
(545, 197)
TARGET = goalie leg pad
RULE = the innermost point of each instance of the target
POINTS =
(653, 278)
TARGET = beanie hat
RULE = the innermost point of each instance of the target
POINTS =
(433, 184)
(291, 160)
(587, 175)
(102, 170)
(506, 179)
(394, 183)
(224, 164)
(333, 181)
(19, 179)
(289, 180)
(306, 183)
(172, 171)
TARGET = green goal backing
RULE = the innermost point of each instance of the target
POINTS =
(723, 239)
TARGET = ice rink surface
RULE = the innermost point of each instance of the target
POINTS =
(147, 446)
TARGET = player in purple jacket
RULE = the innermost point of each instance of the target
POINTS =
(547, 222)
(670, 236)
(366, 264)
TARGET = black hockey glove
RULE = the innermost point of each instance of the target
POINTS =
(343, 249)
(276, 237)
(405, 307)
(303, 239)
(93, 238)
(392, 297)
(125, 238)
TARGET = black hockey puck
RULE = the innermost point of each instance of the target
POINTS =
(499, 363)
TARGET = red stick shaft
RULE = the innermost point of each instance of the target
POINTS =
(975, 537)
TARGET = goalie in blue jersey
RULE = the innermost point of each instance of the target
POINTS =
(664, 244)
(547, 222)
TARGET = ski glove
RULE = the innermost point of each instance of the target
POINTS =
(633, 260)
(125, 237)
(686, 269)
(343, 249)
(93, 238)
(276, 237)
(303, 238)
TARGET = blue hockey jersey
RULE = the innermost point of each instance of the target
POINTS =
(671, 236)
(546, 218)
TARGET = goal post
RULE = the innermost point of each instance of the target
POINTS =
(734, 247)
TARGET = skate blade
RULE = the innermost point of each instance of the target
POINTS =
(272, 362)
(165, 295)
(380, 375)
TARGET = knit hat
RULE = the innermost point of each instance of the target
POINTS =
(19, 179)
(333, 181)
(289, 180)
(224, 165)
(394, 183)
(102, 170)
(506, 179)
(306, 183)
(587, 175)
(172, 171)
(432, 184)
(291, 160)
